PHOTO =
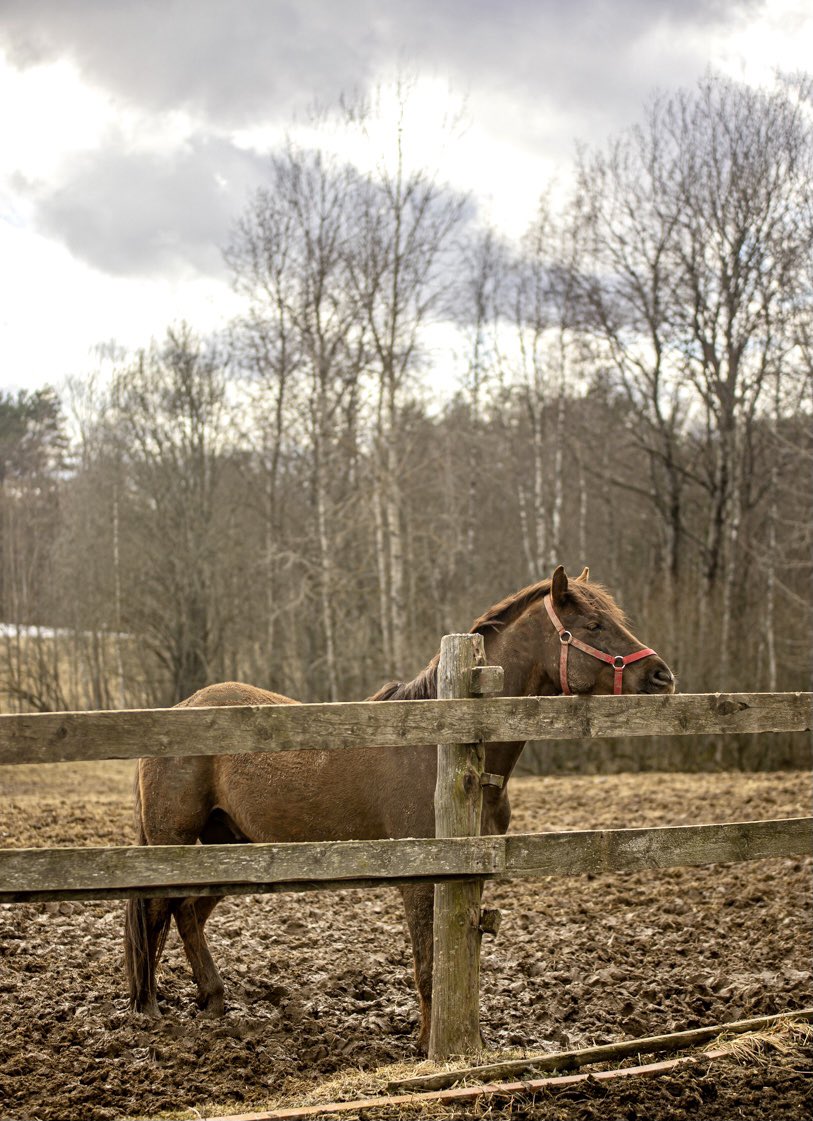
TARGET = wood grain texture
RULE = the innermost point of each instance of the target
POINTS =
(630, 850)
(109, 873)
(455, 1026)
(130, 734)
(486, 681)
(71, 870)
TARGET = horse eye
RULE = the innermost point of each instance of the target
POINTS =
(594, 626)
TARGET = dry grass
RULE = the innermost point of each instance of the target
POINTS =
(353, 1085)
(787, 1040)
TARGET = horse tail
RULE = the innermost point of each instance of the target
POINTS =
(143, 926)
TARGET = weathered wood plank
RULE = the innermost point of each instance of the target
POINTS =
(129, 734)
(23, 870)
(405, 1105)
(630, 850)
(455, 1027)
(485, 681)
(293, 887)
(68, 873)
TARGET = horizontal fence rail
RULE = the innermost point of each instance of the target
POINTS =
(132, 733)
(28, 875)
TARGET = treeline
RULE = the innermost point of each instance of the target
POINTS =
(297, 504)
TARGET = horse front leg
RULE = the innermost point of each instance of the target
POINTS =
(419, 905)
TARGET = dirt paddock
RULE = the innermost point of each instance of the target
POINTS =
(319, 986)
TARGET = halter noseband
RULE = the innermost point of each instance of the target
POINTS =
(617, 661)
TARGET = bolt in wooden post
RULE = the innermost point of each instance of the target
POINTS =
(455, 1028)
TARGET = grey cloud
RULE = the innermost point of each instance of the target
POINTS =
(232, 63)
(131, 213)
(236, 63)
(571, 71)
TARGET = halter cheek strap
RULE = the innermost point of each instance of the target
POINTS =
(619, 662)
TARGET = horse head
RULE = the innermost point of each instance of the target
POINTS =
(570, 636)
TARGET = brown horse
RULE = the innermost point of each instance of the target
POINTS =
(366, 792)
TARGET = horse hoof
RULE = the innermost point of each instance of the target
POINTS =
(213, 1007)
(149, 1010)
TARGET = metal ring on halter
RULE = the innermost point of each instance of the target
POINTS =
(619, 662)
(565, 637)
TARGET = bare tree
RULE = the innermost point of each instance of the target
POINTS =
(546, 356)
(401, 274)
(696, 252)
(267, 349)
(169, 428)
(484, 265)
(745, 166)
(304, 335)
(623, 201)
(33, 456)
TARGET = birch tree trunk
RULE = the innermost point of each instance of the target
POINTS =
(732, 531)
(325, 547)
(555, 553)
(382, 566)
(394, 530)
(117, 602)
(538, 519)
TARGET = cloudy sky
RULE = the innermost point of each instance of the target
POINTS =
(132, 132)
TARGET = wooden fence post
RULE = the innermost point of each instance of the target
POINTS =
(455, 1027)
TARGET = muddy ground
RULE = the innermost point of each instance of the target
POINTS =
(319, 986)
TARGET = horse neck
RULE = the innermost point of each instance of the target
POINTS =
(516, 648)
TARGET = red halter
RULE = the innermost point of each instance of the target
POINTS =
(617, 661)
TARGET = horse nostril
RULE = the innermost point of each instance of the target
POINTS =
(662, 677)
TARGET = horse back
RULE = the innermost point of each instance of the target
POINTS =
(234, 693)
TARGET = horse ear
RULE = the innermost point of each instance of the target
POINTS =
(585, 576)
(558, 585)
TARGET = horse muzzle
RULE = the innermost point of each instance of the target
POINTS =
(660, 679)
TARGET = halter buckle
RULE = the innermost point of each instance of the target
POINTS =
(565, 637)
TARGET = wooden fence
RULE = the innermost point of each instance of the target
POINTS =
(457, 860)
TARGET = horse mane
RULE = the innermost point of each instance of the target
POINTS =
(590, 597)
(425, 686)
(510, 608)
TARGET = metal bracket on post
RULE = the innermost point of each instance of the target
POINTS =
(490, 921)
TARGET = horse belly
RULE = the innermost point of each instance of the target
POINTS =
(302, 796)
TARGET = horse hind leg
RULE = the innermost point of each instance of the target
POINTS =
(148, 919)
(145, 932)
(190, 918)
(172, 806)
